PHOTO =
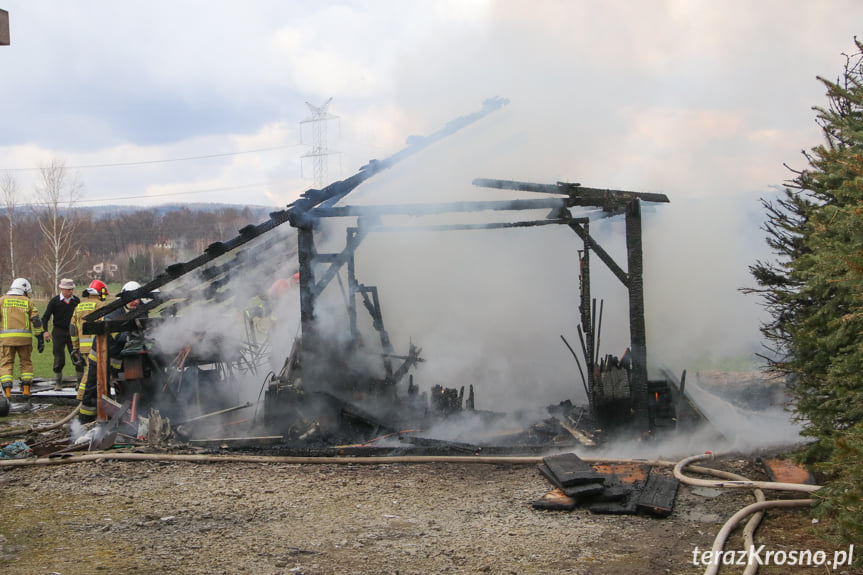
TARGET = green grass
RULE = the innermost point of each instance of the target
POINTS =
(43, 364)
(707, 362)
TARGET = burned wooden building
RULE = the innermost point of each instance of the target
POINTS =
(322, 393)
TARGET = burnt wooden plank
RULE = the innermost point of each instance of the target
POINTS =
(786, 471)
(624, 472)
(555, 500)
(657, 497)
(615, 492)
(578, 491)
(569, 469)
(625, 506)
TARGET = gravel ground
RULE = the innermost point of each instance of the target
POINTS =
(278, 518)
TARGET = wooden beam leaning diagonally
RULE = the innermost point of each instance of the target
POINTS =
(599, 251)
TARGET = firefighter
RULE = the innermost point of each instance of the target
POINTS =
(260, 316)
(116, 342)
(92, 298)
(20, 322)
(60, 309)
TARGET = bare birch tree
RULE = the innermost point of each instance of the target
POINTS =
(9, 192)
(57, 192)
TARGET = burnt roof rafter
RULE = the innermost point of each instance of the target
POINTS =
(577, 195)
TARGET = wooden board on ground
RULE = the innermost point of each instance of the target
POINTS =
(624, 481)
(657, 497)
(624, 472)
(569, 469)
(577, 491)
(787, 471)
(626, 506)
(555, 500)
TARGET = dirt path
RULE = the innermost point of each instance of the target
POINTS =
(272, 518)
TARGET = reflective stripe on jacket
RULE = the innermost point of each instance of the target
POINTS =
(19, 318)
(76, 328)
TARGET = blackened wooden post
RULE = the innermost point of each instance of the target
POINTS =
(101, 374)
(306, 255)
(350, 246)
(637, 329)
(4, 28)
(586, 320)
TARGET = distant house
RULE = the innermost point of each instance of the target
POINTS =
(103, 270)
(163, 242)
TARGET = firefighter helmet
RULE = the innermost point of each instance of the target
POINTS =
(127, 287)
(279, 288)
(20, 286)
(98, 287)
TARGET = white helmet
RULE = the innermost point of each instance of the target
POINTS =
(129, 286)
(20, 286)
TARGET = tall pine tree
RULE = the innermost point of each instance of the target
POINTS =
(814, 294)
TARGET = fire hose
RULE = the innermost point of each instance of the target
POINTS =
(755, 508)
(23, 431)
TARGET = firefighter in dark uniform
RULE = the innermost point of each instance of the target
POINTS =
(92, 299)
(116, 343)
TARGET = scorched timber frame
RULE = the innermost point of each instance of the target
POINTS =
(613, 202)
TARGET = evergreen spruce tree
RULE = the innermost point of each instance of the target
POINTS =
(814, 294)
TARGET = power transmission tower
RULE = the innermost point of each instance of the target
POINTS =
(318, 119)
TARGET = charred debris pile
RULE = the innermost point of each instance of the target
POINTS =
(338, 389)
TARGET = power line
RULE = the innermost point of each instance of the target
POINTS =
(166, 194)
(166, 161)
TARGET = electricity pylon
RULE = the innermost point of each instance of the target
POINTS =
(319, 152)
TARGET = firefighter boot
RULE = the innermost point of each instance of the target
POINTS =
(86, 415)
(7, 390)
(58, 381)
(25, 393)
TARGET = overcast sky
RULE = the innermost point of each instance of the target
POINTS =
(700, 100)
(683, 97)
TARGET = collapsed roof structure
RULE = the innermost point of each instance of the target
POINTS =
(327, 389)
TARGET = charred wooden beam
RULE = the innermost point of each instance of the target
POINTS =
(336, 261)
(466, 227)
(578, 195)
(442, 208)
(441, 444)
(657, 497)
(590, 243)
(120, 325)
(555, 500)
(352, 240)
(637, 328)
(579, 490)
(569, 469)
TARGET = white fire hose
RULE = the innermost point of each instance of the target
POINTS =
(756, 508)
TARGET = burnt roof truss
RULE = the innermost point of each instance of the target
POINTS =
(611, 202)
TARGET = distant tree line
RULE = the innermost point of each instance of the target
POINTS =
(53, 237)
